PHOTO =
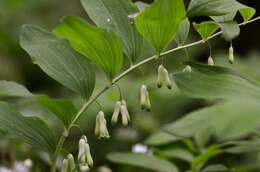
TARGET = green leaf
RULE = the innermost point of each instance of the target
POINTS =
(183, 32)
(58, 60)
(225, 18)
(12, 89)
(161, 138)
(198, 162)
(114, 15)
(230, 30)
(176, 153)
(247, 13)
(141, 160)
(99, 45)
(63, 109)
(159, 24)
(30, 129)
(242, 147)
(206, 29)
(220, 120)
(216, 82)
(212, 7)
(216, 168)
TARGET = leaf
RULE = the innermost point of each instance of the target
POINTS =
(230, 30)
(63, 109)
(12, 89)
(114, 15)
(216, 82)
(161, 138)
(159, 24)
(30, 129)
(206, 29)
(216, 168)
(212, 7)
(198, 162)
(141, 5)
(101, 46)
(177, 153)
(247, 13)
(58, 60)
(242, 147)
(144, 161)
(183, 32)
(220, 119)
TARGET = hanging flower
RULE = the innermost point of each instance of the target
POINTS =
(231, 54)
(163, 77)
(101, 126)
(71, 162)
(116, 112)
(145, 98)
(187, 69)
(211, 61)
(65, 165)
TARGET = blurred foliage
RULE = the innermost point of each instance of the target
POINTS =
(167, 106)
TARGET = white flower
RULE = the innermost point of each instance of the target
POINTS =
(81, 154)
(211, 61)
(71, 162)
(167, 79)
(116, 113)
(124, 113)
(83, 167)
(231, 55)
(163, 77)
(145, 98)
(88, 155)
(65, 165)
(101, 126)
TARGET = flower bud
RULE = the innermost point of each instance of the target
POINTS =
(65, 165)
(160, 77)
(71, 162)
(81, 154)
(88, 155)
(167, 79)
(101, 126)
(83, 167)
(143, 96)
(231, 55)
(211, 61)
(115, 115)
(187, 69)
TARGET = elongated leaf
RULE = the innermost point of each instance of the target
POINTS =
(12, 89)
(144, 161)
(216, 168)
(212, 7)
(177, 153)
(63, 109)
(241, 147)
(220, 120)
(216, 82)
(101, 46)
(115, 16)
(159, 24)
(206, 29)
(58, 60)
(161, 138)
(183, 32)
(230, 30)
(30, 129)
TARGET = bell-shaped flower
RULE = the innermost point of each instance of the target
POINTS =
(167, 79)
(116, 112)
(124, 113)
(65, 165)
(81, 154)
(145, 98)
(211, 61)
(83, 167)
(71, 162)
(160, 76)
(101, 126)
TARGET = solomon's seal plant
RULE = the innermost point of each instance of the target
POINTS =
(72, 50)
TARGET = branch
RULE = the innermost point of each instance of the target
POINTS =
(123, 74)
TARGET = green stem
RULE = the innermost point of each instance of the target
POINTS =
(119, 77)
